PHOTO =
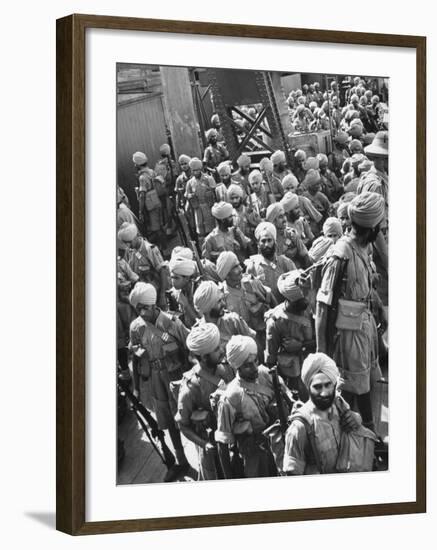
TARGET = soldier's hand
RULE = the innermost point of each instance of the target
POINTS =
(209, 449)
(349, 421)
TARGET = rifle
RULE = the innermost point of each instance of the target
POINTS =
(188, 241)
(147, 421)
(217, 463)
(279, 400)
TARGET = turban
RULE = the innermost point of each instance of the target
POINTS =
(357, 158)
(323, 159)
(300, 155)
(239, 348)
(368, 138)
(319, 248)
(355, 130)
(273, 211)
(290, 201)
(298, 92)
(317, 363)
(196, 164)
(255, 177)
(341, 137)
(139, 158)
(265, 227)
(215, 119)
(354, 98)
(243, 160)
(222, 210)
(203, 338)
(266, 165)
(225, 262)
(312, 176)
(367, 209)
(182, 252)
(206, 296)
(375, 99)
(184, 158)
(342, 209)
(289, 183)
(288, 286)
(224, 169)
(143, 293)
(165, 148)
(127, 232)
(365, 165)
(311, 163)
(332, 225)
(301, 107)
(182, 266)
(212, 132)
(278, 156)
(313, 105)
(356, 144)
(235, 189)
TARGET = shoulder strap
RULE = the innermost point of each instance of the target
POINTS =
(311, 437)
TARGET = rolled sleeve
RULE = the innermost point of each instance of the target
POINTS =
(225, 422)
(294, 454)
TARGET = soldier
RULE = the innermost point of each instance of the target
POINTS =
(339, 153)
(224, 236)
(245, 295)
(157, 340)
(209, 302)
(291, 205)
(330, 185)
(348, 273)
(280, 169)
(299, 159)
(273, 184)
(145, 259)
(317, 198)
(246, 218)
(289, 332)
(195, 416)
(215, 153)
(150, 188)
(259, 199)
(182, 180)
(180, 295)
(215, 123)
(267, 266)
(241, 176)
(224, 171)
(246, 408)
(200, 193)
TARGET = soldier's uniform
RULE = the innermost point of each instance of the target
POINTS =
(230, 324)
(283, 330)
(177, 299)
(203, 190)
(195, 410)
(214, 155)
(218, 241)
(161, 355)
(268, 272)
(242, 180)
(150, 186)
(146, 262)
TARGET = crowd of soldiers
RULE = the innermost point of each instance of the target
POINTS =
(259, 336)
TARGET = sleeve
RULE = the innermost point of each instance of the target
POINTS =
(132, 276)
(241, 237)
(225, 420)
(273, 341)
(243, 328)
(294, 453)
(182, 332)
(155, 257)
(326, 290)
(185, 404)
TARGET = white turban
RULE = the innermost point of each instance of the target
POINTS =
(273, 211)
(277, 157)
(243, 160)
(238, 349)
(182, 266)
(222, 210)
(288, 286)
(235, 189)
(211, 132)
(225, 262)
(255, 176)
(203, 338)
(312, 176)
(309, 209)
(184, 158)
(196, 164)
(290, 201)
(206, 296)
(289, 183)
(182, 252)
(224, 169)
(266, 165)
(319, 248)
(127, 232)
(300, 155)
(332, 225)
(322, 158)
(265, 227)
(317, 363)
(367, 209)
(311, 163)
(143, 293)
(139, 158)
(165, 148)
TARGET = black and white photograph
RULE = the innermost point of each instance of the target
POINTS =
(252, 216)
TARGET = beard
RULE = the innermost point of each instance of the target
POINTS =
(299, 306)
(217, 312)
(373, 234)
(268, 251)
(322, 403)
(280, 168)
